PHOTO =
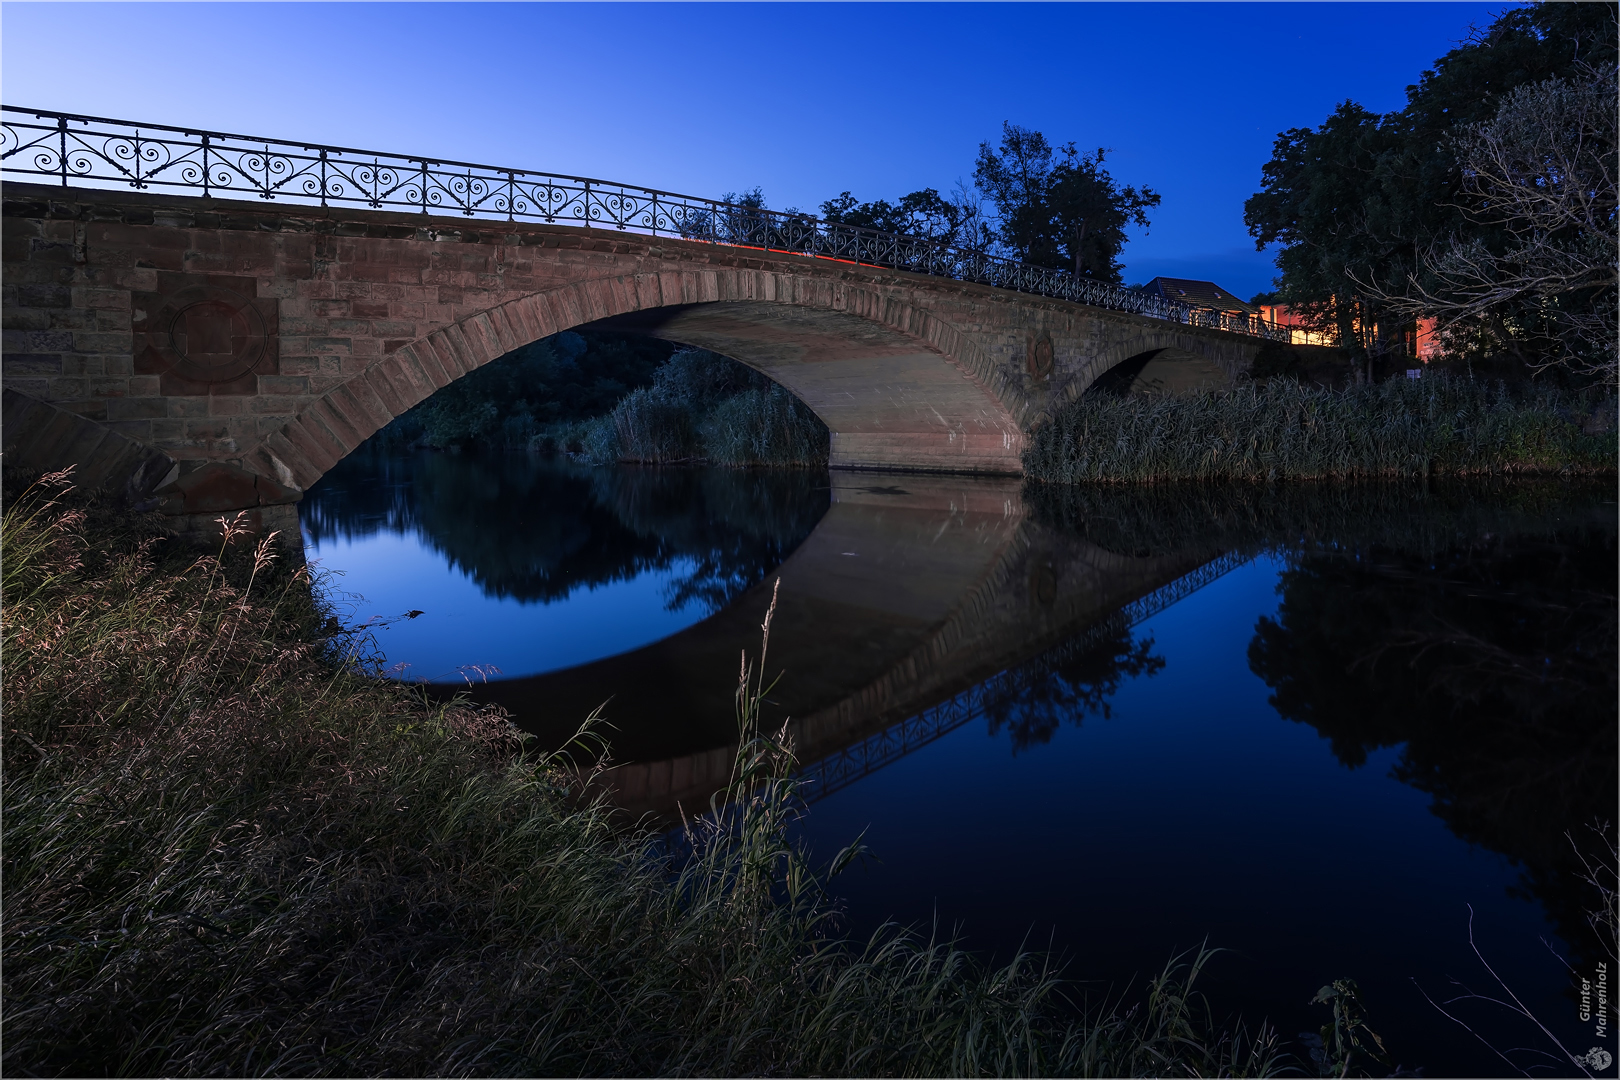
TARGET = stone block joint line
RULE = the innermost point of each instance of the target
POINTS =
(89, 151)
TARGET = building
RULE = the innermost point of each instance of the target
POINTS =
(1417, 340)
(1205, 295)
(1301, 334)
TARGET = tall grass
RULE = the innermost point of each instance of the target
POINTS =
(705, 407)
(1285, 430)
(764, 427)
(229, 850)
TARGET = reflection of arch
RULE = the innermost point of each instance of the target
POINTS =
(933, 370)
(909, 591)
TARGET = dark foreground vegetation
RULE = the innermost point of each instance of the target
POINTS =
(1283, 430)
(228, 850)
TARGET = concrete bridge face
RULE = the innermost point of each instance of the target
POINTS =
(226, 354)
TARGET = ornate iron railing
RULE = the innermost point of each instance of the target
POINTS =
(92, 151)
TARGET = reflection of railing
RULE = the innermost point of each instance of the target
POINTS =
(839, 770)
(94, 151)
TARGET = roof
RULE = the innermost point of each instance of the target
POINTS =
(1200, 294)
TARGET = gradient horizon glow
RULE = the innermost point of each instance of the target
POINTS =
(802, 100)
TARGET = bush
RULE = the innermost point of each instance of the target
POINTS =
(706, 407)
(551, 383)
(764, 427)
(1274, 359)
(652, 428)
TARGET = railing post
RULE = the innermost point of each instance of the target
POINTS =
(206, 188)
(61, 158)
(323, 177)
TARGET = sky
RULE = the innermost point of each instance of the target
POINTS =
(802, 100)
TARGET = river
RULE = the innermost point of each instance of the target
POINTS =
(1327, 729)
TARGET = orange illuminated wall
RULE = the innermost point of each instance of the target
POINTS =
(1280, 315)
(1423, 341)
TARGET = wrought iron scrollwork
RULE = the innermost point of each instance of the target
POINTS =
(88, 151)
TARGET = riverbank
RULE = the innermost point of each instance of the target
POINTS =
(229, 849)
(1284, 430)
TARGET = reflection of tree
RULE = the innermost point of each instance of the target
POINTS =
(1493, 663)
(1157, 519)
(536, 530)
(1043, 694)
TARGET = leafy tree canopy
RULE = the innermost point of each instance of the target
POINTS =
(922, 213)
(1058, 206)
(1363, 203)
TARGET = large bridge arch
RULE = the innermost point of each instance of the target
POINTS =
(919, 400)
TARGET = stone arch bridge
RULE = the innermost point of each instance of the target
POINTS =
(208, 355)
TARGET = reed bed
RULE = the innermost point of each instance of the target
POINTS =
(703, 407)
(1287, 430)
(757, 426)
(228, 849)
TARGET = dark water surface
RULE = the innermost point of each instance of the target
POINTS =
(1312, 726)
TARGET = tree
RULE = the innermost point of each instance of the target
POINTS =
(955, 222)
(1539, 274)
(1059, 208)
(1321, 200)
(1361, 203)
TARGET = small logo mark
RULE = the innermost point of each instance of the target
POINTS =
(1599, 1058)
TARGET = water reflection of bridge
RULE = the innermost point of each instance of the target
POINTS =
(843, 767)
(914, 601)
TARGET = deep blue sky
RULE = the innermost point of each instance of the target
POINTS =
(803, 100)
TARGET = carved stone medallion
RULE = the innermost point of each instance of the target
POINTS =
(204, 335)
(1040, 357)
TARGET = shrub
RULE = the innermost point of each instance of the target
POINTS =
(764, 427)
(652, 428)
(702, 406)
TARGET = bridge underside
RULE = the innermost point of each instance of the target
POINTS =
(889, 402)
